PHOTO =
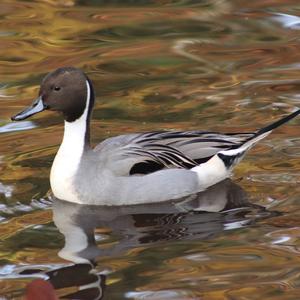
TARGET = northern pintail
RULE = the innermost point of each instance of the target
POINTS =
(134, 168)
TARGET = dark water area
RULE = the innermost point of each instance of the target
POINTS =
(178, 65)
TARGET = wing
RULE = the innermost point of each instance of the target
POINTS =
(151, 151)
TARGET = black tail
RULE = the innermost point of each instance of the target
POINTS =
(277, 123)
(233, 155)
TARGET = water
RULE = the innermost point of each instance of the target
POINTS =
(219, 65)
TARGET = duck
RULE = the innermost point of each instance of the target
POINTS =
(135, 168)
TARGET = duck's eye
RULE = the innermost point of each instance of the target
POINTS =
(56, 88)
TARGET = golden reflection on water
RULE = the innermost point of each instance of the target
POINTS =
(219, 65)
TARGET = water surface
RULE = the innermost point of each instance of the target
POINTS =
(218, 65)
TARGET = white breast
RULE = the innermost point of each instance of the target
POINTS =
(67, 159)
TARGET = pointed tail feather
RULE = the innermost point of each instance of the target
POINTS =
(231, 157)
(218, 167)
(277, 123)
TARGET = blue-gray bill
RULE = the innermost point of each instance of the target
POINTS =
(36, 107)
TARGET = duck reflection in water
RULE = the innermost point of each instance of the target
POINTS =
(200, 216)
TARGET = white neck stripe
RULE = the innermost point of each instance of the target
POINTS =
(88, 95)
(68, 157)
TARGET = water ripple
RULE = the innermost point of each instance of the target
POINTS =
(288, 21)
(17, 126)
(163, 64)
